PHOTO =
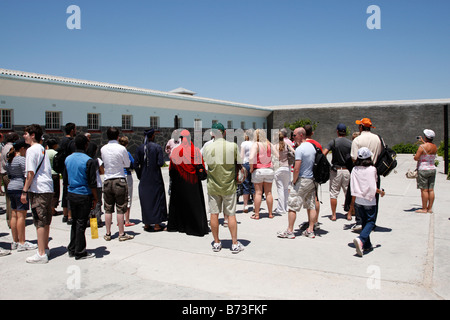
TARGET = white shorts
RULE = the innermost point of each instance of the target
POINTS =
(263, 175)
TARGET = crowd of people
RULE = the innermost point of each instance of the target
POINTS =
(32, 181)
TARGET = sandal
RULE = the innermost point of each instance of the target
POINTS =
(254, 216)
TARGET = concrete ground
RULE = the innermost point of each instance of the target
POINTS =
(410, 261)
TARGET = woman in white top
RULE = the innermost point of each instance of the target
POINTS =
(282, 174)
(425, 157)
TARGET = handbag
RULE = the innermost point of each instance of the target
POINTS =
(241, 173)
(412, 174)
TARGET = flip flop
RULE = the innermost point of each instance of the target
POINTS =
(254, 216)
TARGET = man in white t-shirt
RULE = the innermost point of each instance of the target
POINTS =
(39, 186)
(115, 188)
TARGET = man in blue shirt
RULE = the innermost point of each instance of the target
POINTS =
(302, 192)
(81, 177)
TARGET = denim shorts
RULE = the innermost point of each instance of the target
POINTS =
(16, 204)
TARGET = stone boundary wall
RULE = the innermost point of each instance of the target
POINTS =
(395, 123)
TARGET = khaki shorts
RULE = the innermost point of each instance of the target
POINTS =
(115, 193)
(41, 208)
(225, 204)
(426, 179)
(302, 194)
(339, 179)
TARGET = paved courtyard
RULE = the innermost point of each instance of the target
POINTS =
(411, 258)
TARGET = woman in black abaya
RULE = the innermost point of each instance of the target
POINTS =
(187, 210)
(152, 196)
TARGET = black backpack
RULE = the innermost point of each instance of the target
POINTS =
(321, 169)
(387, 160)
(60, 158)
(58, 161)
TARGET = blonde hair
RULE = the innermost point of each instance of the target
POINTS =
(259, 135)
(124, 141)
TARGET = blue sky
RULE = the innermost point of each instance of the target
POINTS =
(262, 52)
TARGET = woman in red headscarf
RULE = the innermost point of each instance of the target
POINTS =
(187, 210)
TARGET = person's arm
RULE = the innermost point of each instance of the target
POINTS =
(418, 153)
(253, 156)
(296, 172)
(160, 156)
(125, 158)
(381, 192)
(91, 172)
(26, 187)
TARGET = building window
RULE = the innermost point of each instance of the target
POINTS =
(254, 125)
(229, 124)
(93, 121)
(180, 122)
(154, 122)
(243, 125)
(198, 124)
(127, 121)
(6, 120)
(52, 120)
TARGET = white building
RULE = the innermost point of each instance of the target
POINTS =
(53, 101)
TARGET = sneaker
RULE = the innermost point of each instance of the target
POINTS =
(107, 237)
(14, 245)
(357, 227)
(87, 256)
(26, 246)
(358, 245)
(37, 259)
(236, 248)
(309, 234)
(217, 246)
(286, 234)
(4, 252)
(125, 237)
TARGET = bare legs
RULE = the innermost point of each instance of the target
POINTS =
(427, 200)
(232, 226)
(259, 188)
